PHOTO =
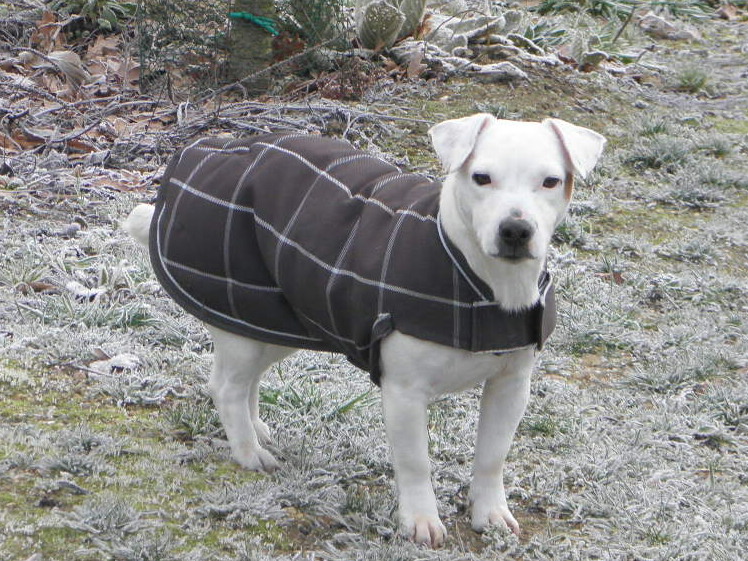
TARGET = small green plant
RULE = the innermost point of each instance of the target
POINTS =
(622, 9)
(543, 425)
(571, 232)
(380, 23)
(689, 251)
(692, 194)
(608, 9)
(660, 152)
(315, 20)
(653, 127)
(544, 34)
(193, 420)
(717, 145)
(692, 80)
(99, 14)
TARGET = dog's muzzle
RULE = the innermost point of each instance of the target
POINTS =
(513, 239)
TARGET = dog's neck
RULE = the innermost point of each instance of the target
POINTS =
(514, 285)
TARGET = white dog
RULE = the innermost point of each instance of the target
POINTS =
(508, 186)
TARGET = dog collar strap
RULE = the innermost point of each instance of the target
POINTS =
(497, 330)
(493, 328)
(460, 263)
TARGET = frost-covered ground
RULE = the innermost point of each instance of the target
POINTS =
(635, 444)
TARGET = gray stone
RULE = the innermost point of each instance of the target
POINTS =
(660, 28)
(458, 7)
(499, 72)
(451, 33)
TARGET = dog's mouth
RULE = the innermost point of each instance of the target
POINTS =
(513, 254)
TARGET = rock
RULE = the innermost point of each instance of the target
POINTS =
(660, 28)
(499, 72)
(445, 38)
(54, 160)
(460, 7)
(728, 12)
(70, 231)
(464, 52)
(512, 21)
(525, 43)
(498, 51)
(96, 158)
(83, 293)
(450, 33)
(118, 363)
(590, 61)
(404, 51)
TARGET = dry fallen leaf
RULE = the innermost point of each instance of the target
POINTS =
(415, 66)
(27, 288)
(128, 71)
(81, 145)
(728, 12)
(8, 145)
(104, 45)
(70, 64)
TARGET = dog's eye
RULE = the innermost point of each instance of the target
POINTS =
(482, 178)
(551, 182)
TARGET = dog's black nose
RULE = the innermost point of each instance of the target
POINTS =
(515, 231)
(513, 238)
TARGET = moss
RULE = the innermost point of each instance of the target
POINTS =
(60, 544)
(729, 126)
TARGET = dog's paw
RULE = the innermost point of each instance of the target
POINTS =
(424, 529)
(259, 460)
(496, 515)
(263, 432)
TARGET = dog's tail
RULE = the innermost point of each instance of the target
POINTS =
(138, 223)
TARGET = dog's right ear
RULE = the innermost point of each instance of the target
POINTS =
(455, 139)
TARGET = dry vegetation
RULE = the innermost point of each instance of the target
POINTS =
(634, 446)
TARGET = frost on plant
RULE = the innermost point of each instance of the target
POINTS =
(380, 23)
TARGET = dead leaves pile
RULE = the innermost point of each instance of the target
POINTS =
(76, 99)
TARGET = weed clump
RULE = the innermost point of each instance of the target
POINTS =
(660, 152)
(692, 80)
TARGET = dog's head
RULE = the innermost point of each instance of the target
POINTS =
(513, 180)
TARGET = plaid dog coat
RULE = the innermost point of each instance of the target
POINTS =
(305, 242)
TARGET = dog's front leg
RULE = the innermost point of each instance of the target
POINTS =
(503, 403)
(405, 419)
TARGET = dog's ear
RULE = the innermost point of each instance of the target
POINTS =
(582, 146)
(455, 139)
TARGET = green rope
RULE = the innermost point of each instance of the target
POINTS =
(267, 24)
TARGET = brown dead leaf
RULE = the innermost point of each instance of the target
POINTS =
(415, 66)
(391, 67)
(121, 127)
(47, 35)
(28, 138)
(121, 183)
(8, 145)
(614, 277)
(81, 145)
(728, 12)
(105, 45)
(128, 71)
(70, 64)
(37, 287)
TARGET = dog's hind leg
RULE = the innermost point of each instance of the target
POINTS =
(238, 365)
(503, 403)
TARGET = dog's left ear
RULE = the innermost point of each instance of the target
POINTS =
(582, 146)
(455, 139)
